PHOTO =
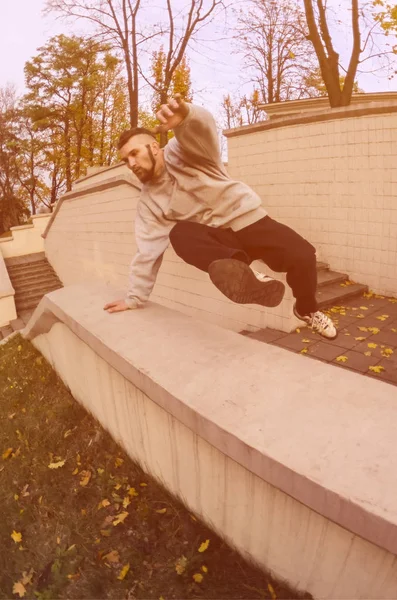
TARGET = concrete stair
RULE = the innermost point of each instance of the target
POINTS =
(334, 288)
(32, 277)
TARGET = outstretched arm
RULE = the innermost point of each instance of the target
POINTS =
(194, 128)
(152, 239)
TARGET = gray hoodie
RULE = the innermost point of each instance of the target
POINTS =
(194, 187)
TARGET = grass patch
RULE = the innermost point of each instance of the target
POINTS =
(81, 520)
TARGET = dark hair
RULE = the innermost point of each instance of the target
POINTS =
(129, 133)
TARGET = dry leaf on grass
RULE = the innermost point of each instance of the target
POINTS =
(56, 465)
(123, 572)
(19, 589)
(16, 536)
(120, 518)
(161, 511)
(85, 477)
(272, 592)
(103, 503)
(204, 546)
(7, 453)
(198, 578)
(180, 565)
(112, 557)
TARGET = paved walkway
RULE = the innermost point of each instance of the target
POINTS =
(367, 340)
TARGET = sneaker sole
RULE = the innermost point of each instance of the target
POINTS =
(237, 282)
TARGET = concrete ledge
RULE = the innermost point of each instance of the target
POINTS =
(331, 114)
(322, 435)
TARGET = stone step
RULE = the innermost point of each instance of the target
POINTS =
(27, 283)
(26, 258)
(322, 266)
(27, 268)
(35, 291)
(326, 277)
(335, 294)
(17, 324)
(5, 331)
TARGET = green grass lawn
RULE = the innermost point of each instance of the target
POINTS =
(81, 520)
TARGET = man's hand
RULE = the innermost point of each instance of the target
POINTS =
(171, 114)
(116, 306)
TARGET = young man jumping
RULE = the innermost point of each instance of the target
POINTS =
(213, 222)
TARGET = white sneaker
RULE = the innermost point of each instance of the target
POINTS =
(241, 284)
(320, 323)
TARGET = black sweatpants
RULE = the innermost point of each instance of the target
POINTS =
(279, 246)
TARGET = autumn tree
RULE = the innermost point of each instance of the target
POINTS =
(116, 23)
(340, 79)
(242, 111)
(75, 94)
(272, 38)
(13, 209)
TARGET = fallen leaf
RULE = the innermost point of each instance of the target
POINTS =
(120, 518)
(180, 565)
(103, 503)
(27, 577)
(305, 341)
(126, 502)
(75, 471)
(85, 477)
(16, 536)
(132, 492)
(123, 572)
(7, 453)
(304, 351)
(105, 532)
(298, 330)
(387, 352)
(372, 345)
(341, 359)
(203, 547)
(198, 578)
(100, 471)
(118, 462)
(382, 317)
(19, 589)
(204, 568)
(143, 484)
(67, 433)
(377, 369)
(56, 465)
(363, 328)
(363, 307)
(112, 557)
(161, 511)
(368, 353)
(359, 339)
(11, 416)
(374, 330)
(272, 592)
(74, 576)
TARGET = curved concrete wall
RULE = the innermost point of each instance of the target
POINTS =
(333, 177)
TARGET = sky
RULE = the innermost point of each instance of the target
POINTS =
(215, 69)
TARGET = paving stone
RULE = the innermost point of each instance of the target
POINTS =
(266, 335)
(357, 361)
(294, 341)
(390, 371)
(345, 340)
(387, 337)
(325, 351)
(377, 352)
